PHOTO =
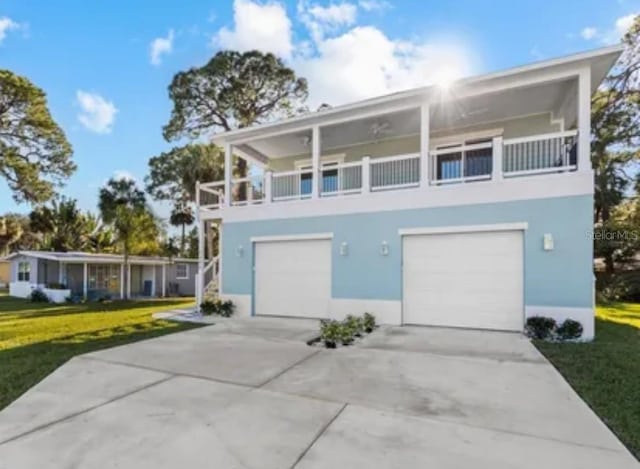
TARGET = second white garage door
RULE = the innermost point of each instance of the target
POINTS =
(293, 278)
(464, 280)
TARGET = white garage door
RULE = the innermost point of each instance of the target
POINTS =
(464, 280)
(293, 278)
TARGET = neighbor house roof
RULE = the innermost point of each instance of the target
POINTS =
(77, 257)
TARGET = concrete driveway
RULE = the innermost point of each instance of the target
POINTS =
(251, 394)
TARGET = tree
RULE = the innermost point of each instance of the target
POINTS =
(232, 90)
(182, 215)
(62, 225)
(124, 207)
(615, 137)
(35, 155)
(11, 230)
(173, 174)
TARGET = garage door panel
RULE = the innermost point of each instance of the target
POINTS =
(464, 279)
(293, 278)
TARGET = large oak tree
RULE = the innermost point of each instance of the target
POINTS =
(35, 156)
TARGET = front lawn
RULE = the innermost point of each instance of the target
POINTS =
(36, 338)
(606, 372)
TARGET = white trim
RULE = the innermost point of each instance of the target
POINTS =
(299, 237)
(307, 163)
(187, 270)
(464, 229)
(535, 138)
(446, 195)
(458, 138)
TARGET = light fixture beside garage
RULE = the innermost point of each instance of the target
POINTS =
(547, 242)
(384, 248)
(240, 251)
(344, 248)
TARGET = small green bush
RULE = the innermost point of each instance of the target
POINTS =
(569, 330)
(226, 308)
(354, 324)
(38, 296)
(218, 307)
(539, 327)
(369, 322)
(346, 334)
(208, 307)
(330, 332)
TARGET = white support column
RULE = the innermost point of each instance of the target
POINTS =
(122, 281)
(199, 277)
(164, 280)
(366, 175)
(61, 272)
(129, 281)
(228, 171)
(268, 178)
(315, 162)
(497, 159)
(424, 145)
(85, 280)
(584, 120)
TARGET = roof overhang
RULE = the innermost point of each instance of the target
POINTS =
(598, 61)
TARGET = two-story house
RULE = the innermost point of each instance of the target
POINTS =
(467, 205)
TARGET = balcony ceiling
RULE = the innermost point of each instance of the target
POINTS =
(447, 115)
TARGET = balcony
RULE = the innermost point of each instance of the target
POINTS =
(470, 162)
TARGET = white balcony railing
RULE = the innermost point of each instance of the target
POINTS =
(481, 161)
(540, 154)
(395, 172)
(291, 185)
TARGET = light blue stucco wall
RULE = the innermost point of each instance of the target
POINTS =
(561, 277)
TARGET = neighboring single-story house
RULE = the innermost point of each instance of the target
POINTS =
(100, 275)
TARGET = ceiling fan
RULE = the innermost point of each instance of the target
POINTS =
(379, 129)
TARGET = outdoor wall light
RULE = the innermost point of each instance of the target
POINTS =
(344, 248)
(547, 242)
(240, 251)
(384, 248)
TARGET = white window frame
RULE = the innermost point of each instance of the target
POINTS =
(338, 158)
(186, 271)
(24, 271)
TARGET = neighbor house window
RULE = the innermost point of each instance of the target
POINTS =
(182, 271)
(24, 271)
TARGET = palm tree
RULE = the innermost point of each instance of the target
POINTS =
(11, 231)
(182, 215)
(61, 225)
(123, 205)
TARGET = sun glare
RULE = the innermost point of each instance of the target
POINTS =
(445, 76)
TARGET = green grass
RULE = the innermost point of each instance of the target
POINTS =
(36, 338)
(606, 372)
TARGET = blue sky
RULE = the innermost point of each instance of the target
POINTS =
(105, 66)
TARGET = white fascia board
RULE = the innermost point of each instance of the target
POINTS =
(300, 237)
(520, 226)
(322, 117)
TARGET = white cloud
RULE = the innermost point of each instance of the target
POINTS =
(161, 46)
(6, 25)
(265, 27)
(342, 61)
(612, 34)
(96, 113)
(588, 33)
(374, 5)
(321, 20)
(624, 23)
(364, 62)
